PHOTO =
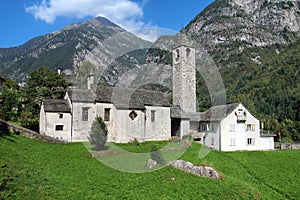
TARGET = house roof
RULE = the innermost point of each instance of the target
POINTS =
(122, 98)
(218, 113)
(56, 105)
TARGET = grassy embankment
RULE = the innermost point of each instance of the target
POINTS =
(32, 169)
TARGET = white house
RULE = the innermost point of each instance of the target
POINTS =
(147, 115)
(230, 128)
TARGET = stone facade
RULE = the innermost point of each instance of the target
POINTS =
(184, 78)
(147, 117)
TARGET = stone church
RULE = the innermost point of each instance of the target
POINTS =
(147, 115)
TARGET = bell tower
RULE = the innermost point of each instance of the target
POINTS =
(184, 78)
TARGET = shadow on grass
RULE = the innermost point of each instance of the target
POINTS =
(5, 133)
(102, 148)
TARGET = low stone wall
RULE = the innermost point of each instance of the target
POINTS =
(290, 146)
(29, 133)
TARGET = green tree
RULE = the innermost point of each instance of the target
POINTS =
(42, 83)
(98, 134)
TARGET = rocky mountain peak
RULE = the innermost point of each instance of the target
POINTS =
(227, 27)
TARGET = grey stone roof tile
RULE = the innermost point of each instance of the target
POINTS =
(56, 105)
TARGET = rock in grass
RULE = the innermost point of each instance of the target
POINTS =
(150, 164)
(202, 171)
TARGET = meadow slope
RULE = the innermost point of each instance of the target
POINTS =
(31, 169)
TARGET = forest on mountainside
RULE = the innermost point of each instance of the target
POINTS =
(270, 88)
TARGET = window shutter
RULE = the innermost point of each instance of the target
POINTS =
(253, 127)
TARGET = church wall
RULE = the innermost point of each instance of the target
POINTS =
(127, 129)
(110, 123)
(160, 127)
(82, 128)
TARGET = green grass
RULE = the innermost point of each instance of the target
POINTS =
(31, 169)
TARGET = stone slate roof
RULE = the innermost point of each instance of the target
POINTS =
(218, 113)
(176, 112)
(127, 98)
(80, 95)
(122, 98)
(56, 105)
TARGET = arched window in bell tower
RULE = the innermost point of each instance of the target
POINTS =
(177, 54)
(188, 51)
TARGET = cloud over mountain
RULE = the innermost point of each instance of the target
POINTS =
(125, 13)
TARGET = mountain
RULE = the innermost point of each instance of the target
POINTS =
(67, 48)
(227, 27)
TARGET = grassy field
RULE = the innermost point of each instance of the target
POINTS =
(32, 169)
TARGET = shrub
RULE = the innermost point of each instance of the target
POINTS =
(98, 134)
(155, 155)
(187, 137)
(134, 142)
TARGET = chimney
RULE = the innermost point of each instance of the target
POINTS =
(90, 81)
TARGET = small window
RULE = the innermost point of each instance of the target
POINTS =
(107, 114)
(232, 142)
(61, 116)
(152, 115)
(59, 127)
(85, 114)
(232, 128)
(250, 127)
(212, 141)
(250, 141)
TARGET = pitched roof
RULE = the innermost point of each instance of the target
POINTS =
(56, 105)
(218, 113)
(80, 95)
(122, 98)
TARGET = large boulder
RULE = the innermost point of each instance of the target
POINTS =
(202, 171)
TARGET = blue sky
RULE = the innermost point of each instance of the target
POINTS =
(22, 20)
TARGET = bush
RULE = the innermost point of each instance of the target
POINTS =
(98, 134)
(187, 137)
(155, 155)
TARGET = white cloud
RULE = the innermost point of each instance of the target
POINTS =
(125, 13)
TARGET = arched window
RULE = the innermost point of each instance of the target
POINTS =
(188, 51)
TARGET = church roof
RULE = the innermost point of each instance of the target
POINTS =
(56, 105)
(128, 98)
(80, 95)
(122, 98)
(218, 113)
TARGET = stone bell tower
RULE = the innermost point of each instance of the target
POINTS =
(184, 78)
